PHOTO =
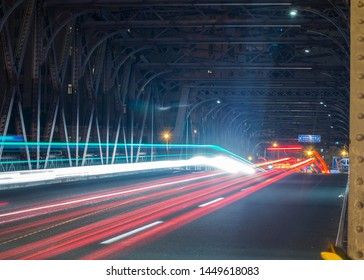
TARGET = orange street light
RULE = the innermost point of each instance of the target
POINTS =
(166, 136)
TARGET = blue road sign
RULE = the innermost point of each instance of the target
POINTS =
(309, 138)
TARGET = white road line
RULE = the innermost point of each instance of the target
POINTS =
(243, 190)
(213, 201)
(106, 195)
(127, 234)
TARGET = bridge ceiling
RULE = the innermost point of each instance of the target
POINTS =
(280, 66)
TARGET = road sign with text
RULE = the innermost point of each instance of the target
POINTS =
(309, 138)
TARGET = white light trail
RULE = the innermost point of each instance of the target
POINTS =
(54, 205)
(38, 176)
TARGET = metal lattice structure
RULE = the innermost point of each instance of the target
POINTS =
(97, 72)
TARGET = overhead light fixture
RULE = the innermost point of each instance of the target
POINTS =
(307, 51)
(293, 13)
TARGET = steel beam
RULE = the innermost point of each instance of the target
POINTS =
(132, 107)
(172, 3)
(37, 78)
(7, 14)
(181, 115)
(125, 87)
(54, 119)
(214, 40)
(64, 125)
(145, 114)
(240, 66)
(356, 178)
(87, 140)
(205, 23)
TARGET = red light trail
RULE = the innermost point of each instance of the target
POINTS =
(136, 241)
(122, 219)
(273, 161)
(3, 203)
(284, 148)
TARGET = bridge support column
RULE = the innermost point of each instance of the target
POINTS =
(356, 193)
(181, 115)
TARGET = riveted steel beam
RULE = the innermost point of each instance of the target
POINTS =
(356, 182)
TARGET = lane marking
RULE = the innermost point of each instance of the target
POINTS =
(106, 195)
(210, 202)
(127, 234)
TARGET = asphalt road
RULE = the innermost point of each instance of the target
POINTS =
(181, 215)
(294, 219)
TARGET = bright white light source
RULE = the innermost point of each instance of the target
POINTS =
(293, 13)
(228, 164)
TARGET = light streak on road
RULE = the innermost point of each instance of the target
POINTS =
(127, 217)
(143, 238)
(272, 162)
(210, 202)
(35, 177)
(112, 226)
(3, 203)
(94, 198)
(302, 163)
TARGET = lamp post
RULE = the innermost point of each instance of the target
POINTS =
(275, 145)
(166, 137)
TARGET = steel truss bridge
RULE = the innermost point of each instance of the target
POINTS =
(238, 74)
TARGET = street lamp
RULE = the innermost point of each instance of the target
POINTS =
(166, 136)
(275, 145)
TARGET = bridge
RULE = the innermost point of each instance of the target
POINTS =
(183, 111)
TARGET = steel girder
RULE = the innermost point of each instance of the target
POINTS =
(356, 152)
(223, 49)
(235, 47)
